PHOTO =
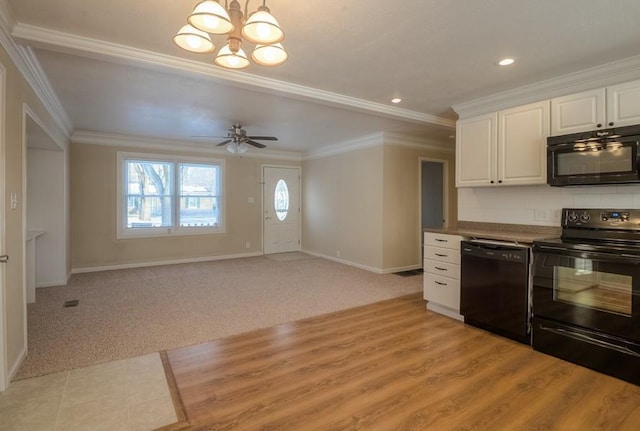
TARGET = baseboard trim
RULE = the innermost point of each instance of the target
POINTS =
(361, 266)
(344, 261)
(16, 366)
(162, 262)
(52, 283)
(400, 269)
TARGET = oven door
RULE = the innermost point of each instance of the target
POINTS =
(610, 161)
(593, 290)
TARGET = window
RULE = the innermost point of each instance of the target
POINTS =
(281, 200)
(161, 196)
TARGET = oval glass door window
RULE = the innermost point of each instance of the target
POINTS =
(281, 200)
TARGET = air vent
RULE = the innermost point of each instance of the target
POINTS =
(71, 303)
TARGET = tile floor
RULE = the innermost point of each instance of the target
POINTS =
(126, 395)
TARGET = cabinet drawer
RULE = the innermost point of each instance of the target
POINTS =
(442, 254)
(442, 240)
(442, 290)
(445, 269)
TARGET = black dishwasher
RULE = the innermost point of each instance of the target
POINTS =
(494, 288)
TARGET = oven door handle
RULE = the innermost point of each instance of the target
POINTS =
(588, 254)
(591, 340)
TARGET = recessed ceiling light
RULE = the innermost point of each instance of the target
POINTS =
(506, 61)
(396, 100)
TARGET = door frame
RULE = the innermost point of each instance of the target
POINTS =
(3, 324)
(445, 194)
(262, 183)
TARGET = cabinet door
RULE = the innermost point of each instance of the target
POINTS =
(442, 290)
(522, 144)
(623, 104)
(579, 112)
(476, 161)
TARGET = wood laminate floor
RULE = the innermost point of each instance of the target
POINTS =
(391, 366)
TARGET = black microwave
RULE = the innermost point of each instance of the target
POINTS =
(599, 157)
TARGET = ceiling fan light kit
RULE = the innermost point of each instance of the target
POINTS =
(237, 148)
(237, 141)
(259, 28)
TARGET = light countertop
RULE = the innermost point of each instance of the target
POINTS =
(500, 232)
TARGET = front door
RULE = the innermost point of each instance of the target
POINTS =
(281, 204)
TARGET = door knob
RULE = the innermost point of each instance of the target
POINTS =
(4, 258)
(267, 218)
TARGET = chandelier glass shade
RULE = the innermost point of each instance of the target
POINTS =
(260, 28)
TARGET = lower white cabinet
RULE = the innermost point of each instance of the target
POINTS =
(442, 273)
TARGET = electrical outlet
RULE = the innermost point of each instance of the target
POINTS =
(247, 244)
(539, 215)
(337, 253)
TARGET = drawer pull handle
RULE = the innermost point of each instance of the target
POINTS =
(441, 255)
(440, 269)
(441, 284)
(441, 240)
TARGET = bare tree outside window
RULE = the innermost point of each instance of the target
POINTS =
(155, 188)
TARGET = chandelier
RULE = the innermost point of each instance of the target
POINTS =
(259, 28)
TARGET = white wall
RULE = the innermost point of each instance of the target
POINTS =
(46, 212)
(539, 205)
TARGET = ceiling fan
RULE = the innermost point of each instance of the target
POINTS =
(237, 140)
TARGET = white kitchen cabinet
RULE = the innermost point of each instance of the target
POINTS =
(578, 112)
(442, 273)
(613, 106)
(623, 104)
(476, 150)
(503, 148)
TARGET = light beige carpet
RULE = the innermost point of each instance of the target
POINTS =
(133, 312)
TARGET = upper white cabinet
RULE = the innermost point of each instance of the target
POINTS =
(623, 104)
(614, 106)
(503, 148)
(476, 150)
(578, 112)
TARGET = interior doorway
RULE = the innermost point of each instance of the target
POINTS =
(432, 194)
(434, 199)
(281, 209)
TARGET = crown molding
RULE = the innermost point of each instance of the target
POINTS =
(7, 18)
(94, 48)
(616, 72)
(417, 143)
(373, 140)
(45, 91)
(62, 144)
(29, 67)
(148, 143)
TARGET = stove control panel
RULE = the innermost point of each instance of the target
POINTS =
(601, 218)
(614, 216)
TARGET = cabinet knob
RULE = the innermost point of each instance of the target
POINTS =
(611, 123)
(598, 125)
(500, 182)
(492, 181)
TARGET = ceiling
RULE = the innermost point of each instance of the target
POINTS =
(115, 69)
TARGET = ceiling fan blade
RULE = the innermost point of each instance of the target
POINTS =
(209, 137)
(255, 144)
(263, 138)
(224, 142)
